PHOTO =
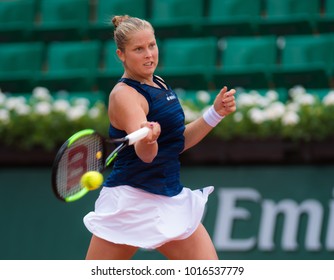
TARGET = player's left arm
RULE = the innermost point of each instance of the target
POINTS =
(224, 104)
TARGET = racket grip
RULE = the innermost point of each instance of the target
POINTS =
(137, 135)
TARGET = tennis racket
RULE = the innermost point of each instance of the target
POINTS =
(85, 151)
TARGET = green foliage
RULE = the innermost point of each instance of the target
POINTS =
(302, 117)
(42, 120)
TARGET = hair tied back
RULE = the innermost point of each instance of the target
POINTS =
(117, 20)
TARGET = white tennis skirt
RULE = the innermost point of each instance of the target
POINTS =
(127, 215)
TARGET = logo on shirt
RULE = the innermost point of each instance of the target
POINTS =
(170, 96)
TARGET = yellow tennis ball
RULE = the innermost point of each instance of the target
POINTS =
(91, 180)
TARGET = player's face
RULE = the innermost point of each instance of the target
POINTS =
(141, 53)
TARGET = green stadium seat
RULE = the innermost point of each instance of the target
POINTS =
(70, 66)
(112, 68)
(231, 18)
(19, 63)
(288, 17)
(62, 20)
(101, 26)
(176, 18)
(185, 62)
(16, 20)
(246, 61)
(305, 60)
(325, 21)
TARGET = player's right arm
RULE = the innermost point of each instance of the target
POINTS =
(127, 110)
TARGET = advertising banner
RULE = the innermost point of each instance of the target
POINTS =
(269, 212)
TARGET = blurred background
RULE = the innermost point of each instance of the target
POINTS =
(271, 162)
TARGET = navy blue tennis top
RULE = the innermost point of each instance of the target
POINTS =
(162, 175)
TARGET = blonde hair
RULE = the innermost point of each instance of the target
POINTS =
(125, 26)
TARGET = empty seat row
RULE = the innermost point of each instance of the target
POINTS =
(58, 66)
(173, 18)
(52, 20)
(265, 61)
(249, 62)
(187, 63)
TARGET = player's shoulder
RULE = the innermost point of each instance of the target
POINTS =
(122, 89)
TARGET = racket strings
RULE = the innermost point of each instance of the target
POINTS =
(85, 154)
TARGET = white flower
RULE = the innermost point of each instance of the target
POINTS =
(290, 118)
(257, 115)
(297, 91)
(275, 111)
(81, 107)
(181, 93)
(306, 99)
(43, 108)
(94, 113)
(190, 115)
(203, 96)
(251, 99)
(2, 98)
(61, 105)
(246, 100)
(272, 95)
(328, 100)
(292, 106)
(238, 117)
(13, 102)
(4, 116)
(76, 112)
(262, 101)
(300, 96)
(81, 102)
(22, 109)
(41, 93)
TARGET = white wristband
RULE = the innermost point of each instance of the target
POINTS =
(211, 117)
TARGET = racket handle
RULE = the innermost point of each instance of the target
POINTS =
(137, 135)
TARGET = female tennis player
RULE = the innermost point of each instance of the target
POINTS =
(142, 203)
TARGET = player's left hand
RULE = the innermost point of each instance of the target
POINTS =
(224, 103)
